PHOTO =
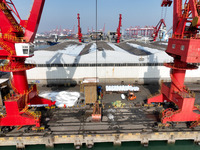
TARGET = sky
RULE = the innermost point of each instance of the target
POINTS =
(63, 13)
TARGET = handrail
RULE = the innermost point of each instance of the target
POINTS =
(8, 67)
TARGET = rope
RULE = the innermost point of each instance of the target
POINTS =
(165, 13)
(162, 12)
(96, 41)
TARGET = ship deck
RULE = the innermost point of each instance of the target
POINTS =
(132, 122)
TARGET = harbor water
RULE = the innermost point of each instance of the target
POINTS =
(40, 47)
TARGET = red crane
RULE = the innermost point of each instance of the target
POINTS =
(79, 28)
(157, 29)
(72, 32)
(88, 31)
(15, 41)
(119, 28)
(104, 28)
(184, 47)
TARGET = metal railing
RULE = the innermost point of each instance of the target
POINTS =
(12, 38)
(9, 68)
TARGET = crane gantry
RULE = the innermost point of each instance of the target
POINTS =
(119, 29)
(157, 28)
(16, 39)
(79, 29)
(184, 47)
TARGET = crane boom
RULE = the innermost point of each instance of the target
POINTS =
(157, 29)
(79, 29)
(31, 25)
(12, 32)
(119, 28)
(103, 30)
(166, 3)
(15, 41)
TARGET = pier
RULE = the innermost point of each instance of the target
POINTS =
(91, 139)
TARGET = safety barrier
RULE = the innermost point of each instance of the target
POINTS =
(9, 68)
(5, 46)
(11, 37)
(16, 96)
(36, 114)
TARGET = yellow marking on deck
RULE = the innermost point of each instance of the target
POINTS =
(19, 138)
(89, 135)
(2, 139)
(195, 132)
(130, 134)
(72, 136)
(137, 134)
(98, 135)
(156, 133)
(64, 136)
(36, 137)
(187, 133)
(28, 137)
(56, 136)
(113, 134)
(180, 133)
(11, 138)
(171, 133)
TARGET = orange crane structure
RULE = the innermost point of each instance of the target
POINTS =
(79, 29)
(16, 39)
(157, 29)
(184, 47)
(119, 28)
(104, 27)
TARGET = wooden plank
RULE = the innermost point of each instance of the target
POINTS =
(90, 94)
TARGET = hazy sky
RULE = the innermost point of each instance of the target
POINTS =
(63, 13)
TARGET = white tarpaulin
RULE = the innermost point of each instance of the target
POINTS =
(63, 98)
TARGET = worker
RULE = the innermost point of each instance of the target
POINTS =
(99, 92)
(65, 106)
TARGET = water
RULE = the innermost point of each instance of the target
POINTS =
(158, 145)
(40, 47)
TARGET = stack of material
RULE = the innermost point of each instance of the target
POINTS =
(121, 88)
(90, 90)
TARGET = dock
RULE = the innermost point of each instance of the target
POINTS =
(90, 140)
(133, 121)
